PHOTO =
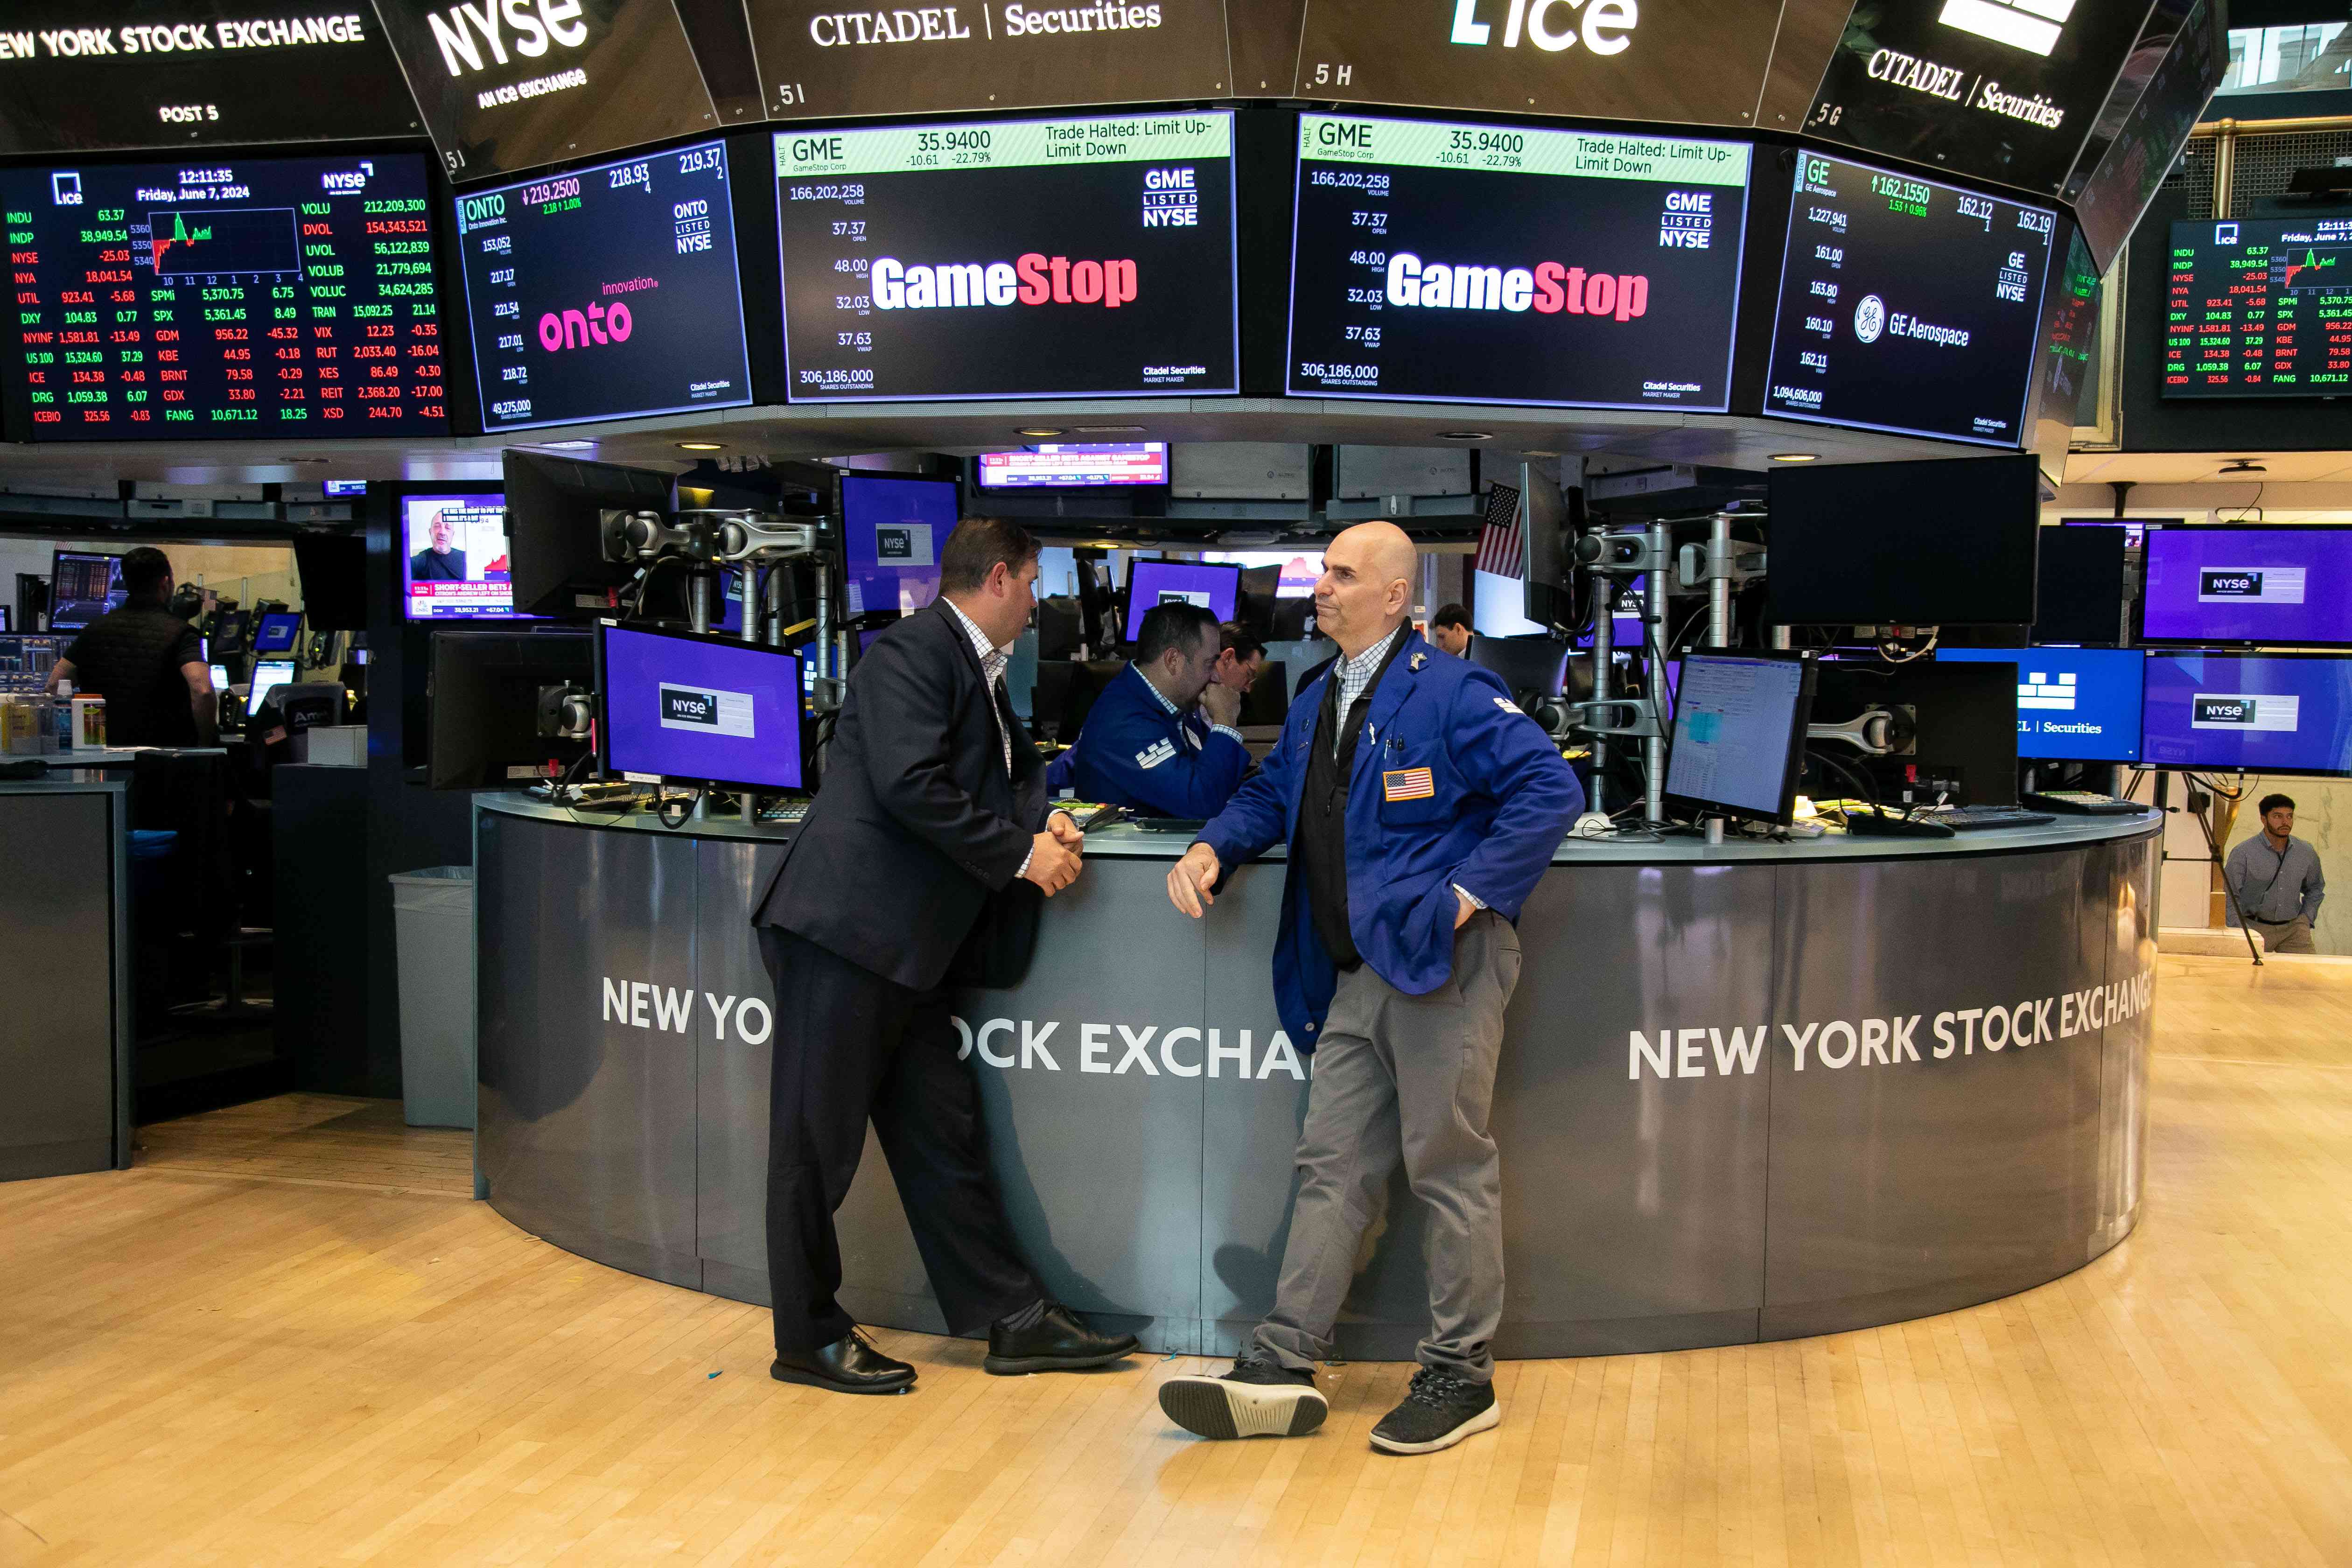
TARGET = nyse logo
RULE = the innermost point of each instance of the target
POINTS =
(2032, 26)
(528, 26)
(894, 545)
(704, 710)
(2229, 584)
(2225, 711)
(1605, 26)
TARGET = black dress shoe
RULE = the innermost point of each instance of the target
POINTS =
(1055, 1343)
(848, 1365)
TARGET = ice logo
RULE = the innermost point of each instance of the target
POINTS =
(573, 329)
(1870, 318)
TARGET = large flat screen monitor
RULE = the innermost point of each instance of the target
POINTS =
(483, 694)
(1949, 542)
(2080, 592)
(2259, 307)
(452, 556)
(226, 297)
(1214, 587)
(2229, 584)
(2266, 713)
(1501, 263)
(892, 529)
(1019, 258)
(1907, 305)
(1075, 464)
(606, 292)
(2073, 704)
(83, 585)
(1739, 735)
(715, 710)
(562, 518)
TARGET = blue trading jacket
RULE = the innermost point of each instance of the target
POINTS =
(1495, 801)
(1136, 753)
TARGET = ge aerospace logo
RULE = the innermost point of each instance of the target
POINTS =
(1870, 318)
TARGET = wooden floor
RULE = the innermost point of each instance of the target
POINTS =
(289, 1337)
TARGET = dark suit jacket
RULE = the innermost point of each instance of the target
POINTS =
(908, 862)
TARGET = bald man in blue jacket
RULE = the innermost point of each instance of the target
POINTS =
(1420, 807)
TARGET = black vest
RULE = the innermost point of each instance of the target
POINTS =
(1322, 842)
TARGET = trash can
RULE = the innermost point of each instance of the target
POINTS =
(433, 933)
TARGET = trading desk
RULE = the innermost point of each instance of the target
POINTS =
(1747, 1091)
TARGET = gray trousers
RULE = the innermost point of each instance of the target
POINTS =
(1409, 1078)
(2284, 936)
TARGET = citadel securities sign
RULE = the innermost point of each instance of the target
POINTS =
(818, 59)
(514, 84)
(1688, 61)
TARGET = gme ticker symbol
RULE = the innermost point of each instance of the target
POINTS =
(2032, 26)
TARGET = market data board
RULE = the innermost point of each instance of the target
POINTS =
(1495, 264)
(233, 297)
(1907, 305)
(1022, 259)
(2259, 308)
(606, 292)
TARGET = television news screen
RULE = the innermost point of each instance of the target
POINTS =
(2260, 307)
(2234, 584)
(83, 585)
(225, 297)
(1076, 465)
(1489, 264)
(2266, 713)
(606, 292)
(1018, 258)
(454, 561)
(2073, 704)
(893, 531)
(1214, 587)
(712, 708)
(1945, 542)
(1908, 305)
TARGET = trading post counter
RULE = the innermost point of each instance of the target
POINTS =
(1748, 1092)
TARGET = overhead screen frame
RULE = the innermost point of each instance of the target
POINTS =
(2149, 545)
(603, 625)
(2153, 765)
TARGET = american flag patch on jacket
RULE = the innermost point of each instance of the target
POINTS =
(1407, 784)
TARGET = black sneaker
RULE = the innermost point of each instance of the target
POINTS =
(1441, 1410)
(1259, 1398)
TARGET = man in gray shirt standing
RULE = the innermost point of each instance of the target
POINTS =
(2275, 878)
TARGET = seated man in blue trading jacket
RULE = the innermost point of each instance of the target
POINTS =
(1161, 739)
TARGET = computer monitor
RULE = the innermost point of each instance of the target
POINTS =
(454, 563)
(2073, 704)
(2248, 585)
(1267, 701)
(1213, 585)
(2079, 587)
(1526, 664)
(893, 528)
(562, 529)
(267, 674)
(83, 585)
(2266, 713)
(1546, 530)
(1949, 542)
(482, 696)
(1739, 735)
(228, 638)
(276, 633)
(332, 568)
(298, 705)
(675, 705)
(220, 678)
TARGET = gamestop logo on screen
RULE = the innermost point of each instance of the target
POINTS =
(1548, 288)
(1033, 279)
(702, 710)
(2244, 710)
(2243, 584)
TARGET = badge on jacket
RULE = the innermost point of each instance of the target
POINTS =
(1407, 784)
(1152, 756)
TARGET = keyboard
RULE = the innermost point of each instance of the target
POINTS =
(1865, 823)
(2084, 803)
(1978, 818)
(786, 811)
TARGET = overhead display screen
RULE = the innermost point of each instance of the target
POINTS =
(453, 552)
(2276, 586)
(2006, 90)
(2274, 713)
(1024, 258)
(247, 296)
(1074, 465)
(606, 292)
(1486, 264)
(80, 75)
(1907, 305)
(2259, 307)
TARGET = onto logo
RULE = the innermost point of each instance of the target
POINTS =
(2032, 26)
(1870, 318)
(575, 328)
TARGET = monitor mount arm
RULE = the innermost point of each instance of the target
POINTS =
(1612, 555)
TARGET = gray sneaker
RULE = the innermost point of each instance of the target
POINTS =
(1259, 1398)
(1441, 1410)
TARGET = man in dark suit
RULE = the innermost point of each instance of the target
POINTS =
(922, 863)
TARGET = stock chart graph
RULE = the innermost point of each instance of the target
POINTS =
(253, 242)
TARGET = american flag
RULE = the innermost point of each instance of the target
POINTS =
(1498, 541)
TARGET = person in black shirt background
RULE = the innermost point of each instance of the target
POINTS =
(147, 663)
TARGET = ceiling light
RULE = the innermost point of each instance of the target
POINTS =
(1039, 430)
(1465, 434)
(1796, 457)
(1107, 429)
(1531, 452)
(700, 447)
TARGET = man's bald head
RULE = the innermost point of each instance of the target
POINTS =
(1365, 589)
